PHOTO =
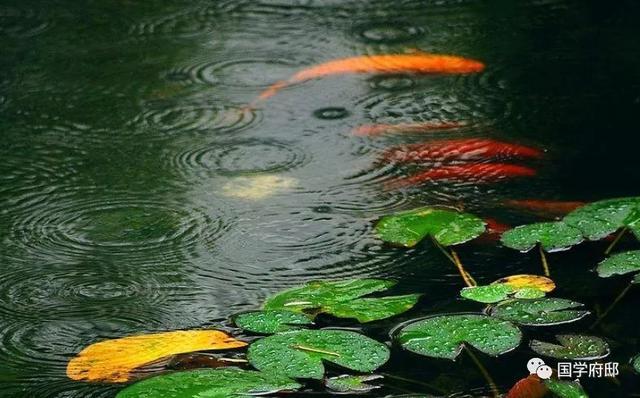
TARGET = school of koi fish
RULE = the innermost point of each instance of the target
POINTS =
(473, 160)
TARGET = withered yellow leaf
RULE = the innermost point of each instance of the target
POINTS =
(114, 360)
(525, 281)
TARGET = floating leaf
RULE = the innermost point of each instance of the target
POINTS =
(113, 360)
(444, 336)
(343, 299)
(269, 322)
(352, 384)
(529, 387)
(526, 281)
(600, 219)
(299, 354)
(539, 312)
(445, 226)
(519, 286)
(620, 264)
(574, 347)
(210, 383)
(635, 362)
(552, 236)
(565, 389)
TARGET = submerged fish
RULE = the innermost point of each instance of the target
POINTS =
(545, 208)
(461, 149)
(421, 63)
(494, 230)
(424, 127)
(475, 173)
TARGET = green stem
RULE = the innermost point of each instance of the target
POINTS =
(453, 257)
(545, 263)
(615, 241)
(610, 308)
(485, 374)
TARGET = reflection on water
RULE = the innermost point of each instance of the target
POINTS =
(125, 127)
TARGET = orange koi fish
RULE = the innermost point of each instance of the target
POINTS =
(529, 387)
(545, 208)
(462, 149)
(425, 127)
(493, 232)
(476, 173)
(419, 63)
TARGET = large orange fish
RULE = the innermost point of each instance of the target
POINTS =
(419, 63)
(422, 127)
(460, 149)
(475, 173)
(545, 208)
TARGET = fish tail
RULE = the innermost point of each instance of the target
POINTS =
(272, 90)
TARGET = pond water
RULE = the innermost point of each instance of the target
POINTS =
(138, 193)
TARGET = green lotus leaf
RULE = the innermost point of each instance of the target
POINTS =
(352, 384)
(539, 312)
(552, 236)
(300, 354)
(212, 383)
(635, 362)
(496, 292)
(445, 226)
(574, 347)
(600, 219)
(620, 264)
(529, 293)
(565, 389)
(444, 336)
(343, 299)
(269, 322)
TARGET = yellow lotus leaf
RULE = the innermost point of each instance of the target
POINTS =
(525, 281)
(114, 360)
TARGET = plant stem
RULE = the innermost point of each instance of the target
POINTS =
(545, 263)
(453, 257)
(615, 302)
(485, 373)
(615, 241)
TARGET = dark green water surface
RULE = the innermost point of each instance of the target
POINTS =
(122, 122)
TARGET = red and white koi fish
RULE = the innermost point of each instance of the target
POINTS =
(460, 149)
(475, 173)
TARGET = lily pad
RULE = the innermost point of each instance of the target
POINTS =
(114, 360)
(539, 312)
(519, 286)
(352, 384)
(212, 383)
(527, 281)
(300, 354)
(574, 347)
(444, 336)
(635, 362)
(600, 219)
(620, 264)
(269, 322)
(343, 299)
(565, 389)
(487, 294)
(445, 226)
(552, 236)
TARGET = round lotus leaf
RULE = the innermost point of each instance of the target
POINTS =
(574, 347)
(539, 312)
(600, 219)
(300, 354)
(343, 299)
(352, 384)
(527, 281)
(445, 226)
(635, 362)
(445, 336)
(552, 236)
(529, 293)
(565, 389)
(620, 264)
(210, 383)
(488, 294)
(269, 322)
